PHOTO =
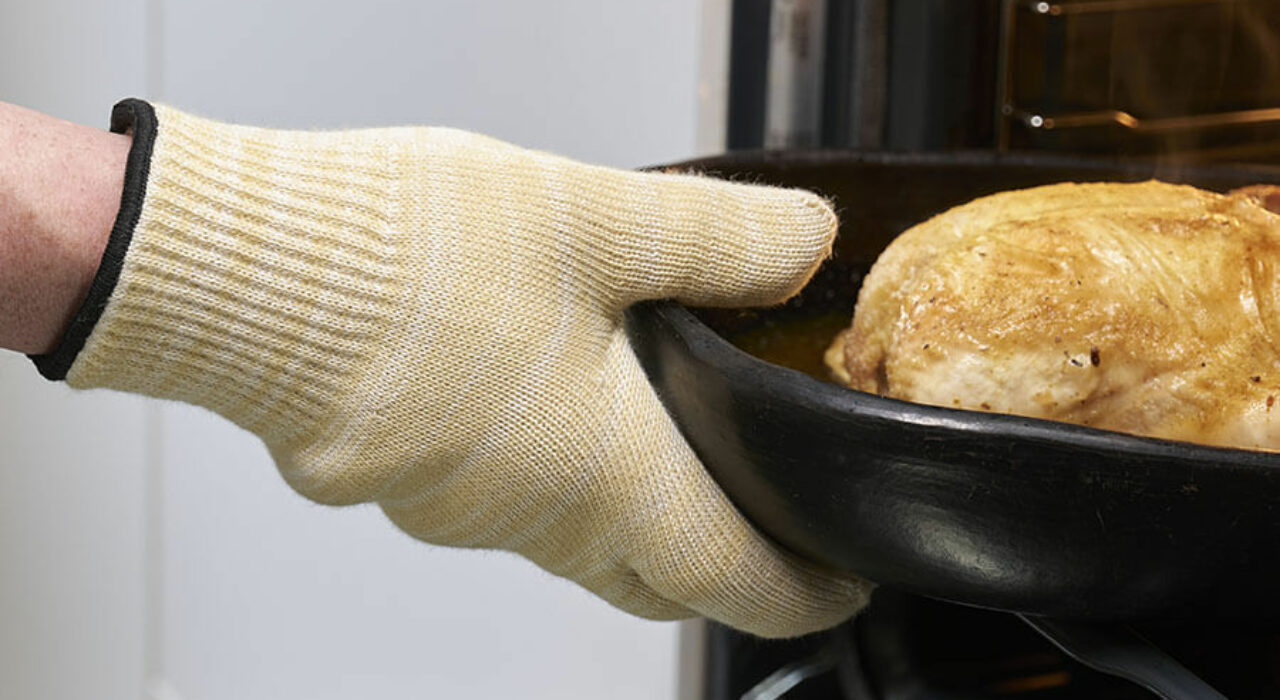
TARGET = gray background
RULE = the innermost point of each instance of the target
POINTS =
(151, 550)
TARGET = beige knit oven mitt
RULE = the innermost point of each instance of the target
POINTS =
(432, 320)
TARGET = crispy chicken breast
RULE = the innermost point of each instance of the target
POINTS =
(1145, 308)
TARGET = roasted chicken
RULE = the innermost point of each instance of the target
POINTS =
(1145, 308)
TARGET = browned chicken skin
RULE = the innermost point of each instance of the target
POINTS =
(1144, 308)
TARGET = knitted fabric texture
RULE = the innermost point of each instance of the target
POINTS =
(432, 320)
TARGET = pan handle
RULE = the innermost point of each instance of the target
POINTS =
(1119, 651)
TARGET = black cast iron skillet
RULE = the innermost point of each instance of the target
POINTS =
(988, 510)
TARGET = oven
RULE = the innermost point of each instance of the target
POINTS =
(1005, 93)
(1196, 78)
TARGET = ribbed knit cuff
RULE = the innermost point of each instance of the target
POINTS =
(258, 275)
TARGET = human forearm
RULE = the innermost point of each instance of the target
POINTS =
(60, 186)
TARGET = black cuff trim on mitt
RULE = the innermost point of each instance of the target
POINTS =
(138, 116)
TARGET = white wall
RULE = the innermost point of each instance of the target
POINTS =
(72, 467)
(223, 583)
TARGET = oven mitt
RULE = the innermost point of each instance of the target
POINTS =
(431, 320)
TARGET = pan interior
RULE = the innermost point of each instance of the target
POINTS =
(880, 195)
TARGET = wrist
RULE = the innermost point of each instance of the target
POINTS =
(60, 186)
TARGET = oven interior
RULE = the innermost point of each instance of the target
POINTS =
(1165, 84)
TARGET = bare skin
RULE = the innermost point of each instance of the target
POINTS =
(60, 187)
